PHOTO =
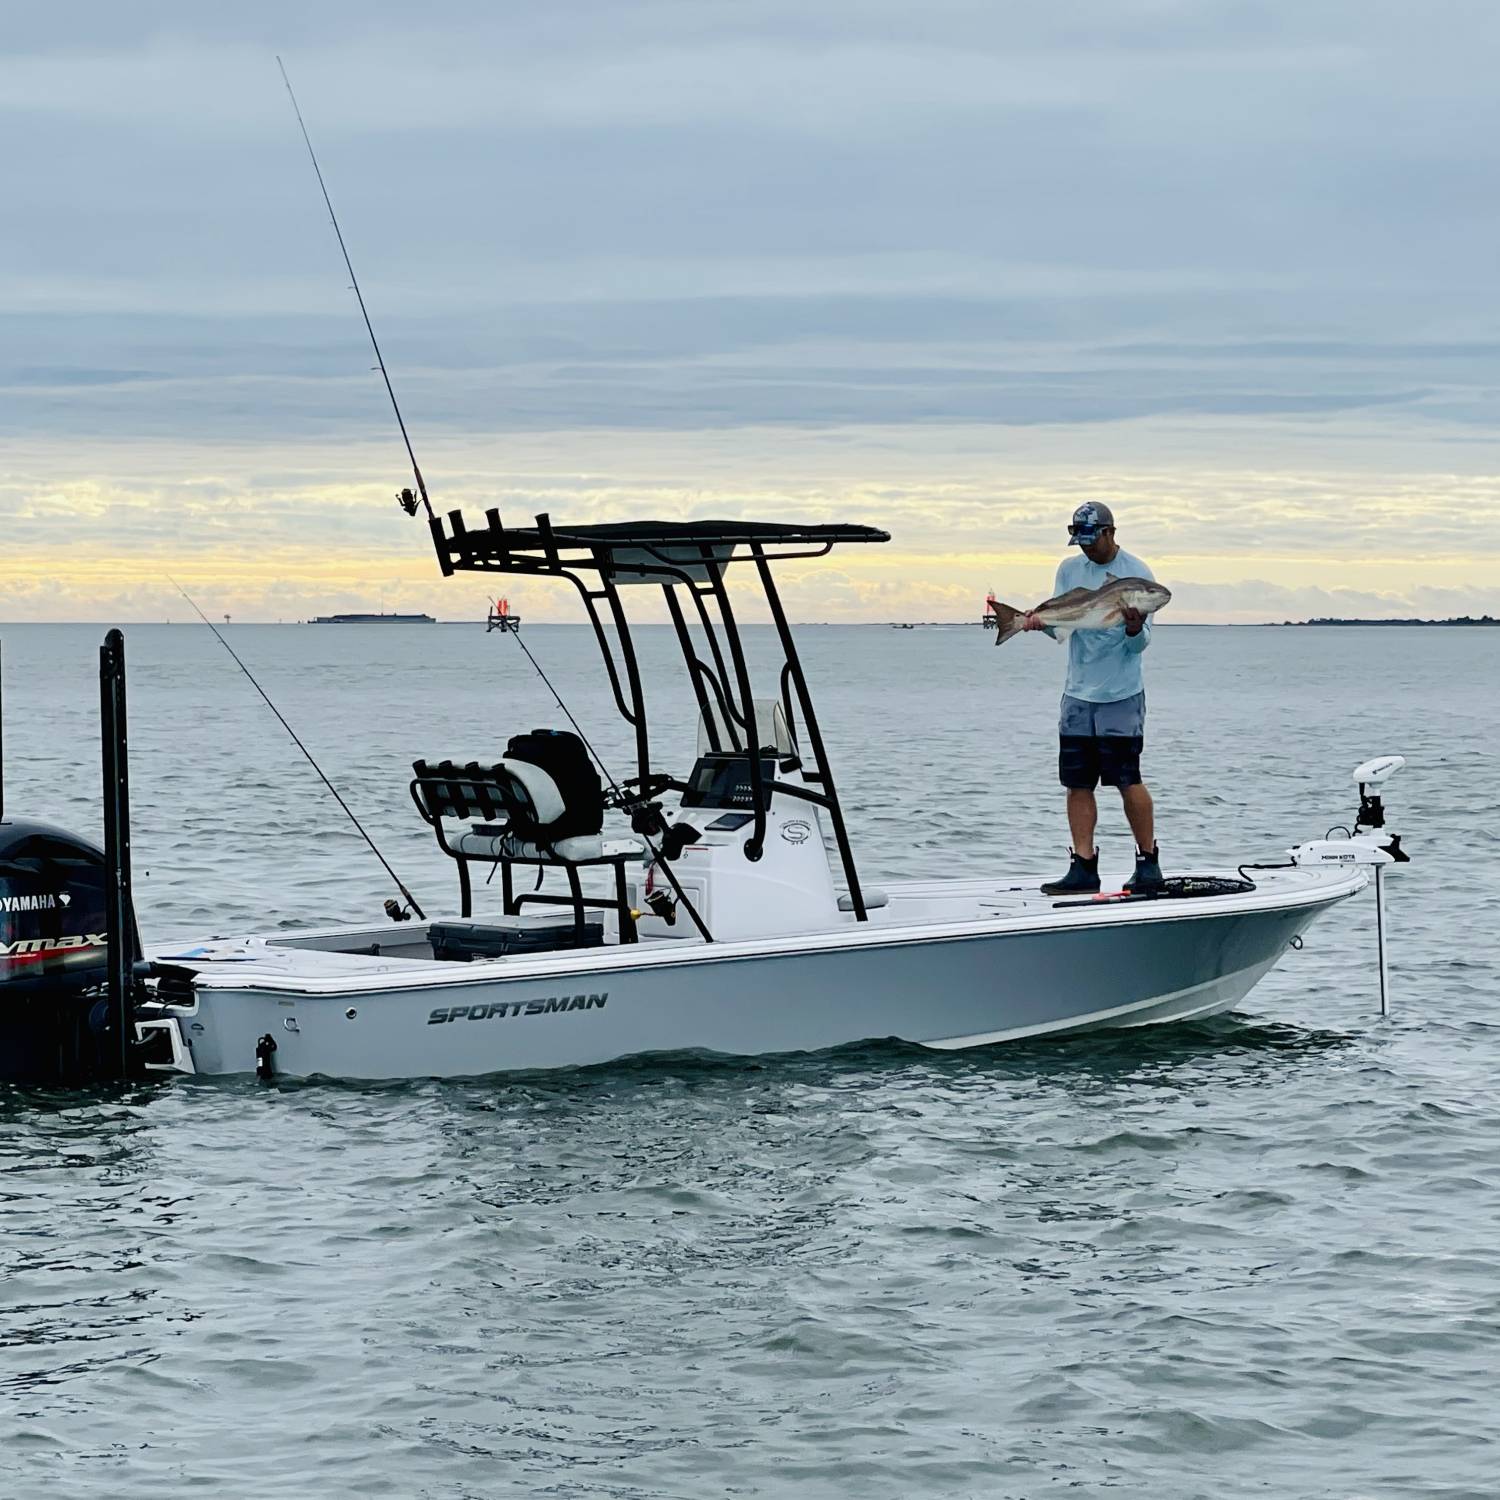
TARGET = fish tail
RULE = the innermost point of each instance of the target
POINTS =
(1009, 621)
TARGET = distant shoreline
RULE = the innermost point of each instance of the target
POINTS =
(1456, 620)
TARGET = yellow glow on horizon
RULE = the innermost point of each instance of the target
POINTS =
(286, 535)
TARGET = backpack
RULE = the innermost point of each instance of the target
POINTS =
(565, 758)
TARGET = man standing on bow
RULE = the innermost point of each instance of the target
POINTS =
(1103, 716)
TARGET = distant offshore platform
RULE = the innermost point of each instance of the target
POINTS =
(501, 618)
(372, 620)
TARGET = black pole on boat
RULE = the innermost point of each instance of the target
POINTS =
(2, 738)
(814, 733)
(119, 927)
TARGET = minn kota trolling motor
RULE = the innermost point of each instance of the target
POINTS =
(1367, 843)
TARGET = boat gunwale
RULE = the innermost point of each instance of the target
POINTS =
(238, 974)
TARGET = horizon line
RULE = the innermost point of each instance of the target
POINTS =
(1323, 623)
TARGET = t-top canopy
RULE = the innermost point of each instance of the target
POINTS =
(713, 533)
(633, 551)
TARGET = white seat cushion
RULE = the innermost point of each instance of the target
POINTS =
(505, 846)
(545, 797)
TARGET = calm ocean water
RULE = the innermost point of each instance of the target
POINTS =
(1257, 1258)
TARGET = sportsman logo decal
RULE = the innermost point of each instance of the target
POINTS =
(500, 1010)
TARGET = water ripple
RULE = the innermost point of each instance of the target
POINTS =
(1254, 1257)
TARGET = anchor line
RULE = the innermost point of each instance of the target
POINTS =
(359, 296)
(407, 896)
(665, 865)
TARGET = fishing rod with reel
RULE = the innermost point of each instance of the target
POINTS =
(646, 818)
(395, 911)
(409, 502)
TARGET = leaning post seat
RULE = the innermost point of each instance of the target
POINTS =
(542, 804)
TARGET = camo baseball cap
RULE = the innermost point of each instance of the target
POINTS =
(1088, 521)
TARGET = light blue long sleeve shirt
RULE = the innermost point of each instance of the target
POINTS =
(1104, 666)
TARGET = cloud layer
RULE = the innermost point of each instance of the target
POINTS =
(950, 270)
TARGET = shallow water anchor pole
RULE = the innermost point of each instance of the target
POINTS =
(1385, 996)
(117, 904)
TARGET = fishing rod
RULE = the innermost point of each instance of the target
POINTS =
(406, 895)
(408, 504)
(657, 855)
(577, 727)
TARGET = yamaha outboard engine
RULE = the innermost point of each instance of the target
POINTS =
(69, 946)
(55, 1022)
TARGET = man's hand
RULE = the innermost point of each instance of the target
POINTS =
(1134, 619)
(1030, 621)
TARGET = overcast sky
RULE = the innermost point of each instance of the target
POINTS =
(948, 268)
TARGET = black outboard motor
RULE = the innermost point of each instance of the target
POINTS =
(69, 946)
(55, 1021)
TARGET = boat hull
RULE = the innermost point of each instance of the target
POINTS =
(949, 989)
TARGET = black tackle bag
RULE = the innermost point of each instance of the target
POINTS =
(565, 758)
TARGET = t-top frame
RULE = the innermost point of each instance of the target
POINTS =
(691, 557)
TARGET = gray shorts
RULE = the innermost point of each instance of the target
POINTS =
(1096, 720)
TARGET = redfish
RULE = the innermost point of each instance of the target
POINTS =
(1086, 609)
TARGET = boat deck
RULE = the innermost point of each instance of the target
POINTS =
(340, 958)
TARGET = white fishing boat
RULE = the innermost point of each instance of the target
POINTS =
(720, 910)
